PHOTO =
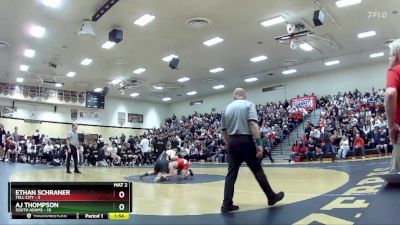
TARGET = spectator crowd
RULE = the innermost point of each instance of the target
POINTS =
(349, 123)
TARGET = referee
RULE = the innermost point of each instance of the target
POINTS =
(72, 144)
(241, 132)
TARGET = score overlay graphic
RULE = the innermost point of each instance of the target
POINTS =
(65, 200)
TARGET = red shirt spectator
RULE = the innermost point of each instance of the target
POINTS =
(358, 142)
(393, 81)
(296, 148)
(304, 149)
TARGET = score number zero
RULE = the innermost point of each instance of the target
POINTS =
(121, 194)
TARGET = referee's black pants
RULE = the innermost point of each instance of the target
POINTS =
(74, 154)
(242, 149)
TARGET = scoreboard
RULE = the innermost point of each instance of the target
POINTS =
(66, 200)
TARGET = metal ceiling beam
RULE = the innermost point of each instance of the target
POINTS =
(107, 6)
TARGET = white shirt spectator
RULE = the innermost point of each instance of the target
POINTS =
(179, 141)
(315, 133)
(171, 154)
(144, 145)
(47, 148)
(114, 150)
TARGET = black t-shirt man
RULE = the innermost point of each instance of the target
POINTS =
(2, 136)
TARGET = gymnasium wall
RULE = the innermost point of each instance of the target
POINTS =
(363, 77)
(106, 123)
(56, 130)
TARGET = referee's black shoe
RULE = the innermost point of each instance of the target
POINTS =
(68, 171)
(77, 171)
(230, 208)
(277, 197)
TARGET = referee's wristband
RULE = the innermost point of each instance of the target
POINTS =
(258, 142)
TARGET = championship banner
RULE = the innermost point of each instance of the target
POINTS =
(121, 118)
(305, 102)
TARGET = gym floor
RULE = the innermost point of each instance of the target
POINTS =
(349, 192)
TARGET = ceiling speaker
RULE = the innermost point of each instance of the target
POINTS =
(105, 91)
(173, 64)
(318, 18)
(116, 36)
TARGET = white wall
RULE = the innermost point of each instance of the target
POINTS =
(153, 113)
(363, 78)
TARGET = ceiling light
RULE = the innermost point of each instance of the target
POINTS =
(51, 3)
(366, 34)
(217, 70)
(216, 87)
(158, 87)
(37, 31)
(24, 68)
(86, 61)
(331, 63)
(286, 72)
(58, 85)
(116, 81)
(259, 58)
(183, 79)
(169, 58)
(251, 79)
(134, 94)
(30, 53)
(20, 79)
(139, 70)
(71, 74)
(144, 20)
(108, 45)
(273, 21)
(376, 55)
(306, 47)
(98, 90)
(191, 93)
(213, 41)
(166, 99)
(344, 3)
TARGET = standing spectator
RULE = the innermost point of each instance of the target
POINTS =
(122, 138)
(145, 146)
(239, 126)
(81, 158)
(327, 147)
(36, 137)
(2, 142)
(267, 147)
(392, 103)
(32, 150)
(315, 134)
(15, 134)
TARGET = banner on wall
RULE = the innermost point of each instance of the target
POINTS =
(74, 114)
(7, 111)
(89, 115)
(121, 118)
(305, 102)
(135, 118)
